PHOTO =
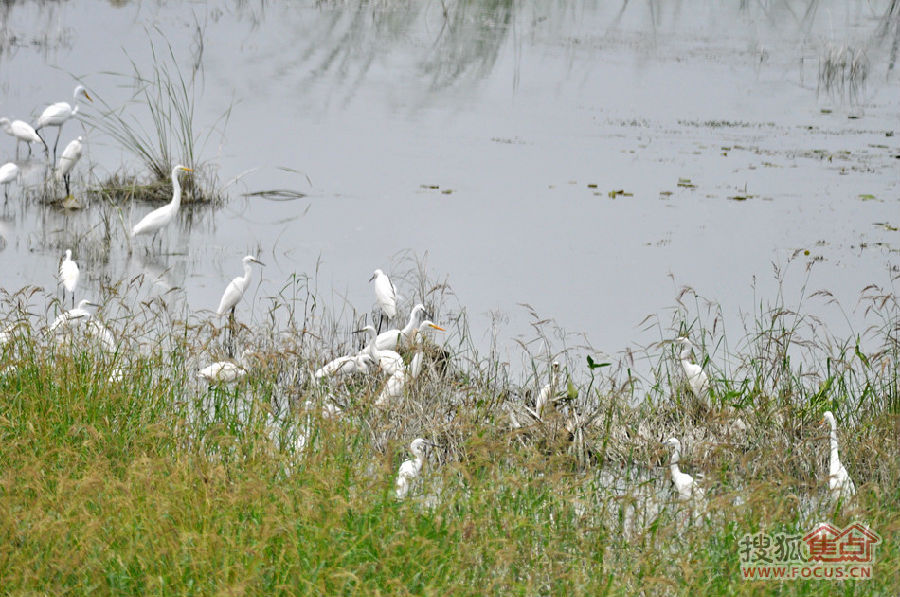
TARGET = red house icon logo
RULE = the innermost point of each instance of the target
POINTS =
(829, 544)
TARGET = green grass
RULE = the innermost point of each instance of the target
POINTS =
(156, 485)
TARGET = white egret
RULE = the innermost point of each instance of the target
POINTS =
(69, 274)
(389, 360)
(73, 316)
(550, 393)
(236, 288)
(396, 383)
(70, 156)
(345, 365)
(161, 216)
(391, 339)
(688, 489)
(225, 372)
(8, 173)
(415, 365)
(411, 469)
(57, 114)
(385, 295)
(96, 329)
(696, 377)
(839, 481)
(22, 131)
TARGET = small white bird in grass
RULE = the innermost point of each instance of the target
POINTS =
(391, 339)
(396, 383)
(550, 393)
(57, 114)
(22, 131)
(385, 295)
(411, 469)
(839, 481)
(234, 292)
(687, 488)
(8, 173)
(69, 274)
(70, 156)
(345, 365)
(225, 372)
(74, 316)
(161, 216)
(695, 374)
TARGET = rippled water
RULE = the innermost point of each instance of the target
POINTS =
(485, 143)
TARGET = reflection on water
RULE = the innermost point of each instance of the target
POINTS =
(491, 136)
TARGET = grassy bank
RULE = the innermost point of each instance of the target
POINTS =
(155, 484)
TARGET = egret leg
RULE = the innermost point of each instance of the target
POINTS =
(66, 180)
(380, 322)
(230, 343)
(55, 145)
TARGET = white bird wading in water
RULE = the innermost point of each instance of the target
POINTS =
(160, 217)
(69, 274)
(57, 114)
(70, 156)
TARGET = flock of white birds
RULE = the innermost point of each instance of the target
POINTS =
(380, 353)
(54, 115)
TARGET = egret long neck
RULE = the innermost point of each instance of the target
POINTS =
(176, 192)
(410, 325)
(248, 271)
(75, 109)
(673, 464)
(835, 462)
(685, 355)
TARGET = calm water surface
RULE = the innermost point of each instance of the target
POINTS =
(485, 143)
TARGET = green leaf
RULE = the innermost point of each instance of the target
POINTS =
(594, 365)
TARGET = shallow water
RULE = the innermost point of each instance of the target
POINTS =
(523, 116)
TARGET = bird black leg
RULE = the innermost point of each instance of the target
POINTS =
(55, 145)
(380, 322)
(66, 181)
(229, 345)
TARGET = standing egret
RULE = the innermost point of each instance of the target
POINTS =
(69, 274)
(385, 296)
(688, 489)
(73, 316)
(391, 339)
(57, 114)
(8, 173)
(415, 365)
(550, 393)
(161, 216)
(234, 292)
(411, 469)
(225, 372)
(70, 156)
(236, 288)
(22, 131)
(695, 374)
(839, 481)
(401, 375)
